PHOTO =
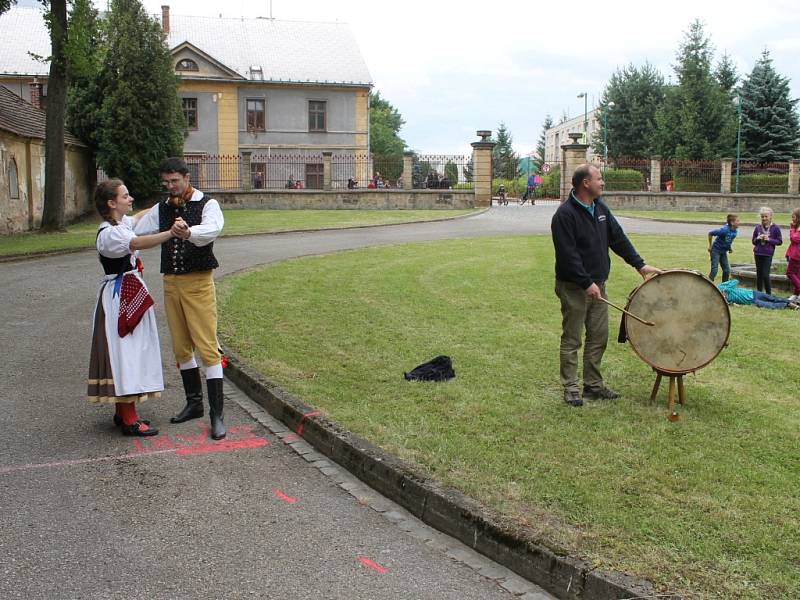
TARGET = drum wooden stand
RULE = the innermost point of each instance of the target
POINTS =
(673, 378)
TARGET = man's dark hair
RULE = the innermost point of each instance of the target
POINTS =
(173, 165)
(731, 218)
(581, 173)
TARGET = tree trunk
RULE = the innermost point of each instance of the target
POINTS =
(53, 211)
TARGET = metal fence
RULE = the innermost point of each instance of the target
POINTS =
(760, 177)
(364, 170)
(690, 176)
(628, 175)
(442, 171)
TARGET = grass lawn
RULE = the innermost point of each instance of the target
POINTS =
(709, 506)
(747, 218)
(237, 222)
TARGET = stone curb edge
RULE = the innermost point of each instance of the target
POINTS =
(49, 253)
(445, 509)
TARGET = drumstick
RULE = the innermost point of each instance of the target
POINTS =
(633, 316)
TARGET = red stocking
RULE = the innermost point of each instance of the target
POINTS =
(127, 412)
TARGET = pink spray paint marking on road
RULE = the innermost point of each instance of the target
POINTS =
(285, 498)
(372, 564)
(290, 437)
(301, 426)
(241, 437)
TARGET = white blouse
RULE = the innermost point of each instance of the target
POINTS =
(114, 241)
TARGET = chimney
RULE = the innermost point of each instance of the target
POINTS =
(36, 93)
(165, 18)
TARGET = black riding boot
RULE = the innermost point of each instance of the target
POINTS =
(215, 403)
(193, 387)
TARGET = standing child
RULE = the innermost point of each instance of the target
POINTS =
(793, 254)
(766, 236)
(721, 246)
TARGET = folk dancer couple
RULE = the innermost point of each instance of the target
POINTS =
(125, 363)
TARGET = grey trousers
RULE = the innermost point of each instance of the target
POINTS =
(579, 312)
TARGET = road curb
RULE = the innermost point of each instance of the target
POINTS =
(445, 509)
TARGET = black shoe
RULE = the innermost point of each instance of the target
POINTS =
(136, 429)
(193, 387)
(573, 398)
(216, 405)
(603, 393)
(118, 421)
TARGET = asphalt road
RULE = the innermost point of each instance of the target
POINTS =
(88, 513)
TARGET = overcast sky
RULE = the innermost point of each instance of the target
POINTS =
(451, 68)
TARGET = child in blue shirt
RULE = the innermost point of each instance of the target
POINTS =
(721, 246)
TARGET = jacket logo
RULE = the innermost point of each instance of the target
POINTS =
(601, 218)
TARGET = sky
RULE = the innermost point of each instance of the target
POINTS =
(452, 68)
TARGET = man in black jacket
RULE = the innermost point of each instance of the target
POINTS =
(583, 230)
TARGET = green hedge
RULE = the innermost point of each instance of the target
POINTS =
(762, 183)
(624, 180)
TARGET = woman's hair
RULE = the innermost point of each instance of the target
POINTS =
(105, 191)
(796, 215)
(765, 209)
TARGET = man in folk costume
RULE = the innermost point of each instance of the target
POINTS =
(188, 263)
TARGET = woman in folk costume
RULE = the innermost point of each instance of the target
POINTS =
(125, 363)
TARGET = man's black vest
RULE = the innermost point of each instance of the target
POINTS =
(181, 256)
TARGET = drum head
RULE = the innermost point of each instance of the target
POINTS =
(691, 316)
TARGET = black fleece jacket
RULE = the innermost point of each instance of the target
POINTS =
(582, 241)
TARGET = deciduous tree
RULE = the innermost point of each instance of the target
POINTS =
(385, 123)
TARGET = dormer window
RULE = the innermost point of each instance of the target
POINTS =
(256, 73)
(186, 64)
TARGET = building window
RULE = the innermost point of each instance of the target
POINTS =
(190, 112)
(256, 120)
(316, 115)
(258, 175)
(13, 179)
(314, 176)
(186, 64)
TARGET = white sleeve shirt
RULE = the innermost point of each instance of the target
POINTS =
(200, 235)
(114, 241)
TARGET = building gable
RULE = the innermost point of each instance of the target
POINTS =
(192, 63)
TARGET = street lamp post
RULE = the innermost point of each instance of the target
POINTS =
(585, 97)
(738, 101)
(609, 106)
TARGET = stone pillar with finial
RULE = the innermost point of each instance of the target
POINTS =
(482, 168)
(573, 155)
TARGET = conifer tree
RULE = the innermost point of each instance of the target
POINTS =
(539, 159)
(770, 129)
(141, 121)
(637, 94)
(697, 120)
(505, 162)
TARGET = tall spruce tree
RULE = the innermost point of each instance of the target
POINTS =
(726, 75)
(505, 162)
(637, 94)
(141, 121)
(539, 158)
(770, 129)
(697, 120)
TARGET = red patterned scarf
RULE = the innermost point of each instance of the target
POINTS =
(134, 300)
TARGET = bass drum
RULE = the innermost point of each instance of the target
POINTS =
(691, 316)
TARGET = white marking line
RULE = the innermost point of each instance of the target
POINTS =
(81, 461)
